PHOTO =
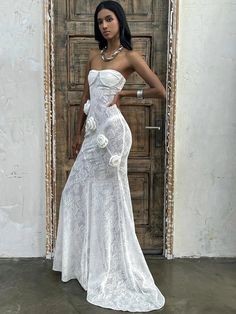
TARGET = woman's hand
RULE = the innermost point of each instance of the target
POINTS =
(77, 145)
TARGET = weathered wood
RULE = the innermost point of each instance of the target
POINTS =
(74, 37)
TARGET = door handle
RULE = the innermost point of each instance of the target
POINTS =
(158, 131)
(152, 127)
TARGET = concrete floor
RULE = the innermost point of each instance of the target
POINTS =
(191, 286)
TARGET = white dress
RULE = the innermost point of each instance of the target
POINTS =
(96, 241)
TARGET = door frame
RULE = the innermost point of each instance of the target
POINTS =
(50, 127)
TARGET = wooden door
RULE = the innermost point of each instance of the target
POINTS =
(73, 39)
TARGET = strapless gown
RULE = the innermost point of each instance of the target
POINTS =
(96, 240)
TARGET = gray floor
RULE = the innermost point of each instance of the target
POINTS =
(189, 285)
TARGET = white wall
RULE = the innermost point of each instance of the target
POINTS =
(205, 162)
(22, 208)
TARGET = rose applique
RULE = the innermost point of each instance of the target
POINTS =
(115, 160)
(87, 106)
(90, 124)
(102, 141)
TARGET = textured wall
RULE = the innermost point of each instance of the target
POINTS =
(205, 198)
(22, 209)
(205, 165)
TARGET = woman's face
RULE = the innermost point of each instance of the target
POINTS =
(108, 23)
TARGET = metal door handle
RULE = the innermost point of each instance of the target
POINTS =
(153, 127)
(156, 132)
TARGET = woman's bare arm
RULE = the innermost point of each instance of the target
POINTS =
(85, 97)
(138, 64)
(81, 115)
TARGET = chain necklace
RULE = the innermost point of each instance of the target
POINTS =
(113, 55)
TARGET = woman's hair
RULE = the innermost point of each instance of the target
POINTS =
(125, 35)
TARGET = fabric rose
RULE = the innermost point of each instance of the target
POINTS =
(115, 160)
(90, 124)
(102, 141)
(87, 106)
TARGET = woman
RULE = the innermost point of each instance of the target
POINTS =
(96, 240)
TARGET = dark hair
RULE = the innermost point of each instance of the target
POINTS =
(125, 35)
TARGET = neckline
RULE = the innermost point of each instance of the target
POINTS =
(109, 70)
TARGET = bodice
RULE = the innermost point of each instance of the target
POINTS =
(104, 84)
(105, 124)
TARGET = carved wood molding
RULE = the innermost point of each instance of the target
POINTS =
(170, 125)
(50, 127)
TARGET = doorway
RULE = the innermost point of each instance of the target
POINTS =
(68, 38)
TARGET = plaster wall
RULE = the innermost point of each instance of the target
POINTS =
(205, 153)
(22, 192)
(205, 150)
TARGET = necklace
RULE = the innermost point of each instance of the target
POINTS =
(113, 55)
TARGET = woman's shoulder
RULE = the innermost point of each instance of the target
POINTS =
(93, 53)
(132, 53)
(134, 57)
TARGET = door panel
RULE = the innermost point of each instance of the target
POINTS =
(73, 40)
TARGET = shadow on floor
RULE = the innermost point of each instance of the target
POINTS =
(191, 286)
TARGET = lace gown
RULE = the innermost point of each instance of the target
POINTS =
(96, 241)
